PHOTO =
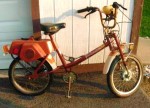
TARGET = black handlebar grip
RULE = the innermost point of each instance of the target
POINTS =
(116, 5)
(83, 10)
(123, 7)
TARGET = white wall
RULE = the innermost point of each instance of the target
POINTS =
(82, 35)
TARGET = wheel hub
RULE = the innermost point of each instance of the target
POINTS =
(126, 76)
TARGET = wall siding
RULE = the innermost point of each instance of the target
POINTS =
(83, 35)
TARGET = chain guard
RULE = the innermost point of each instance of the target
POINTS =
(68, 75)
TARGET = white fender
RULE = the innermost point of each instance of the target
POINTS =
(109, 61)
(113, 54)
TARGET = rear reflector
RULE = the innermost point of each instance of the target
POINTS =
(6, 49)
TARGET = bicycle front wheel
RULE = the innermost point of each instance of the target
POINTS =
(124, 83)
(18, 72)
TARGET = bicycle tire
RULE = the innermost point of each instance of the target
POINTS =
(25, 85)
(121, 88)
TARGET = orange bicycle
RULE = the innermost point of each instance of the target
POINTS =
(33, 66)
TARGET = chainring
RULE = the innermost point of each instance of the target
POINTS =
(71, 75)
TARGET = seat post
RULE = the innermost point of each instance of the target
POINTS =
(58, 52)
(53, 43)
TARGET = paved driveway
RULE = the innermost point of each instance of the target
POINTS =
(143, 51)
(90, 91)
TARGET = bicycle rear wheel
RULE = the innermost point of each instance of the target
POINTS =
(18, 72)
(121, 82)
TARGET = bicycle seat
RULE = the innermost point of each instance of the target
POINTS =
(51, 28)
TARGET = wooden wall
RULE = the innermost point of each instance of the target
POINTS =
(82, 35)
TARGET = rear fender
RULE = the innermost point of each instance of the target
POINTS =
(109, 61)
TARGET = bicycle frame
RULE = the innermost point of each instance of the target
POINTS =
(110, 39)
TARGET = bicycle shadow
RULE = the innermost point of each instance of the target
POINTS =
(7, 88)
(61, 17)
(88, 86)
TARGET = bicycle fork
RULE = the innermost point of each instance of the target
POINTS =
(121, 53)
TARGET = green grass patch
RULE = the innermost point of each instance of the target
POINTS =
(145, 23)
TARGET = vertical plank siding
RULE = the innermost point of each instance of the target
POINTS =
(83, 35)
(96, 32)
(126, 27)
(80, 30)
(63, 13)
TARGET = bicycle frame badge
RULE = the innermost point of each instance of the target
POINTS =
(30, 50)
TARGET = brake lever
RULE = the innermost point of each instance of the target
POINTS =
(92, 11)
(122, 7)
(89, 14)
(117, 5)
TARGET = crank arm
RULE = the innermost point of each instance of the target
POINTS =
(69, 89)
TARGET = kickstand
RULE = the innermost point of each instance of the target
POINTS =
(69, 89)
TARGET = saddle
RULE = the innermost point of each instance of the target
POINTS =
(52, 28)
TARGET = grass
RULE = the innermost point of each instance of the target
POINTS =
(145, 24)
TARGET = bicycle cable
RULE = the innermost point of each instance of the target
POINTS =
(125, 16)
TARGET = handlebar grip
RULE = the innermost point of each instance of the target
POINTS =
(117, 5)
(122, 7)
(83, 10)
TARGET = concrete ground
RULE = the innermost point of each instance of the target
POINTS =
(90, 91)
(143, 51)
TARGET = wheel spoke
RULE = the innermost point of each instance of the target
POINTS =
(28, 85)
(123, 82)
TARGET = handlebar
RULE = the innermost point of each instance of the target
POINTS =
(88, 9)
(109, 11)
(83, 10)
(117, 5)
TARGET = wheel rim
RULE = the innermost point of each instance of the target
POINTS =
(23, 83)
(126, 83)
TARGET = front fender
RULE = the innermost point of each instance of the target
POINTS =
(112, 55)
